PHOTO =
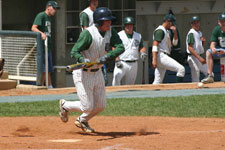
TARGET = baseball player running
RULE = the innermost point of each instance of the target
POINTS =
(126, 64)
(217, 47)
(161, 50)
(89, 82)
(194, 44)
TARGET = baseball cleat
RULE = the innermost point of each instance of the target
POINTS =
(63, 113)
(84, 126)
(208, 79)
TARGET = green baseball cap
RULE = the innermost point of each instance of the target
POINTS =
(128, 20)
(195, 18)
(170, 17)
(222, 16)
(54, 4)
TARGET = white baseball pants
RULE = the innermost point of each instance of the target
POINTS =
(128, 72)
(91, 91)
(165, 62)
(196, 68)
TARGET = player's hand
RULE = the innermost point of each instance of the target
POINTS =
(214, 50)
(119, 64)
(202, 60)
(143, 56)
(173, 28)
(154, 64)
(220, 52)
(43, 36)
(102, 59)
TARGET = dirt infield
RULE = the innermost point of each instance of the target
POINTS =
(113, 133)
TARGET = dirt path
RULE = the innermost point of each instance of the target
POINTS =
(113, 133)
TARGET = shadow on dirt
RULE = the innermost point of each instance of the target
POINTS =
(114, 135)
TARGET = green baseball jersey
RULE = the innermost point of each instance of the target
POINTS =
(218, 36)
(191, 39)
(141, 45)
(85, 40)
(84, 20)
(44, 25)
(158, 35)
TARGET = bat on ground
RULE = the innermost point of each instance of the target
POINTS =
(72, 67)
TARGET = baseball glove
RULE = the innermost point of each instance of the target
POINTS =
(1, 66)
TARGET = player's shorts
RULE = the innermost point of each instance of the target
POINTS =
(217, 56)
(50, 64)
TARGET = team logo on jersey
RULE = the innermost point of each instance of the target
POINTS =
(136, 43)
(222, 41)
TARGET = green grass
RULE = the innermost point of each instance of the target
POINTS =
(185, 106)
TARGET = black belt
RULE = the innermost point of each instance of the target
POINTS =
(129, 61)
(91, 70)
(189, 54)
(166, 53)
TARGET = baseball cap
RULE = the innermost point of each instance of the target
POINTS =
(195, 18)
(170, 17)
(54, 4)
(222, 16)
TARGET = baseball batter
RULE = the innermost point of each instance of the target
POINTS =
(217, 47)
(161, 50)
(89, 82)
(194, 45)
(126, 64)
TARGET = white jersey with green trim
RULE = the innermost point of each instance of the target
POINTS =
(90, 13)
(131, 46)
(198, 47)
(165, 44)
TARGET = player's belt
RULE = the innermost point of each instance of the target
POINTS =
(166, 53)
(189, 54)
(91, 70)
(129, 61)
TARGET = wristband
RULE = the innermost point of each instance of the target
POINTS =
(175, 42)
(154, 48)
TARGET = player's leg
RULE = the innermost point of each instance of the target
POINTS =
(209, 62)
(195, 72)
(170, 64)
(159, 75)
(131, 73)
(118, 74)
(99, 96)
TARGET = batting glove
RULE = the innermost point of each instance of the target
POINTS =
(119, 64)
(102, 59)
(143, 56)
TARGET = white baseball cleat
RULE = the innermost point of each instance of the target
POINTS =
(208, 79)
(84, 126)
(63, 113)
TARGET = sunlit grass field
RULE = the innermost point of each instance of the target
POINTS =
(185, 106)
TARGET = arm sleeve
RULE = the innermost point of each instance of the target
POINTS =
(38, 20)
(115, 42)
(191, 39)
(83, 43)
(141, 45)
(158, 35)
(214, 36)
(84, 20)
